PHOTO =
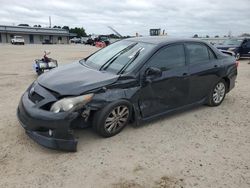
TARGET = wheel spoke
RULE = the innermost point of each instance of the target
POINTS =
(119, 123)
(114, 113)
(108, 124)
(122, 119)
(109, 119)
(111, 127)
(123, 110)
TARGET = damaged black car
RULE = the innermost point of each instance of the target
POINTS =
(131, 80)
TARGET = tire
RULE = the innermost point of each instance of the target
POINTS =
(39, 72)
(106, 124)
(217, 93)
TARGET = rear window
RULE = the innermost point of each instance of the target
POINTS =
(198, 53)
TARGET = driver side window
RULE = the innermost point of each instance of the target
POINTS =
(168, 57)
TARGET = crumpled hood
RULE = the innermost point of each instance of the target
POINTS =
(75, 79)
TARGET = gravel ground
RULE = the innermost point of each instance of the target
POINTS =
(202, 147)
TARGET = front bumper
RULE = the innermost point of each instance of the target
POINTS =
(47, 128)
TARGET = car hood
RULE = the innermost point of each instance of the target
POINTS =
(75, 79)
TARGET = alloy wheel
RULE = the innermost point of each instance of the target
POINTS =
(116, 119)
(219, 92)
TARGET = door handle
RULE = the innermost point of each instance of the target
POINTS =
(215, 66)
(184, 74)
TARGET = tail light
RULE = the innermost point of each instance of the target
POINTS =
(237, 63)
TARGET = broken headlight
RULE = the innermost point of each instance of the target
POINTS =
(71, 103)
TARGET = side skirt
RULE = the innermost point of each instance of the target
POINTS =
(139, 120)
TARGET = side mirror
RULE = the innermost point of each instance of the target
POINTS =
(153, 72)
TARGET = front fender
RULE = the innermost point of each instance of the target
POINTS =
(110, 95)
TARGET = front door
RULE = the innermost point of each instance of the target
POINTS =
(168, 90)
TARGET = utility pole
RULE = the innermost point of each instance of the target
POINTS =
(49, 22)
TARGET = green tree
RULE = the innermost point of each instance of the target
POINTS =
(114, 36)
(79, 31)
(195, 36)
(65, 27)
(59, 27)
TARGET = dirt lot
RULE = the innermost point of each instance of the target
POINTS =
(203, 147)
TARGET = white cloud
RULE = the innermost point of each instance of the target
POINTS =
(178, 17)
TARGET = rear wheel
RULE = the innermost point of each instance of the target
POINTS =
(217, 94)
(110, 120)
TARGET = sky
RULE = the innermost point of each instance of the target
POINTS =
(176, 17)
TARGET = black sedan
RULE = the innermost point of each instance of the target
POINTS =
(132, 80)
(240, 47)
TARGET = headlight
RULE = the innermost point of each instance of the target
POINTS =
(231, 49)
(71, 103)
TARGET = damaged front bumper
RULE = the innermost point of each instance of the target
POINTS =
(52, 130)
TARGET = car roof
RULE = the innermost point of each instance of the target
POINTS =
(157, 40)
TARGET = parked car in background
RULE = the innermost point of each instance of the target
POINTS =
(17, 40)
(132, 80)
(84, 40)
(47, 41)
(239, 46)
(92, 40)
(75, 40)
(103, 38)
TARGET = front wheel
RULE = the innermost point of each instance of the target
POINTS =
(39, 72)
(217, 94)
(110, 120)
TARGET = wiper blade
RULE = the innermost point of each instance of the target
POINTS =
(112, 59)
(133, 57)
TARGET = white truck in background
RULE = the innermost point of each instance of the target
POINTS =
(17, 40)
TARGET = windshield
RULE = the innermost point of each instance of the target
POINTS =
(233, 42)
(18, 37)
(118, 57)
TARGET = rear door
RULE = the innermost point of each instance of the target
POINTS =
(203, 68)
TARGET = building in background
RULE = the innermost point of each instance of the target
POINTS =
(34, 35)
(155, 32)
